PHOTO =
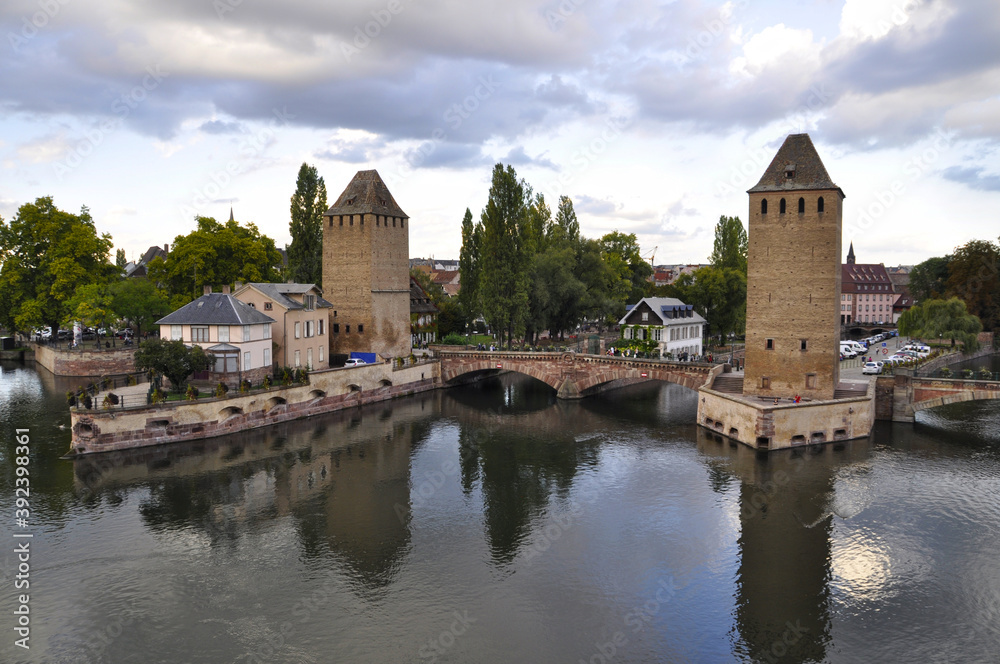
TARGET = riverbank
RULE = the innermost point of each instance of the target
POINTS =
(95, 431)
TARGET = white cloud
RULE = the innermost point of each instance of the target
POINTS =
(44, 149)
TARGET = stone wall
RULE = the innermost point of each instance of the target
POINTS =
(328, 390)
(751, 420)
(793, 294)
(85, 362)
(366, 274)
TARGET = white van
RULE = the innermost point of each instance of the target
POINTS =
(853, 345)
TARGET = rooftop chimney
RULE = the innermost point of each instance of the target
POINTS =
(238, 285)
(208, 290)
(225, 289)
(166, 248)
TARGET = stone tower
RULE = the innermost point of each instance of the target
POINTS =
(793, 277)
(366, 269)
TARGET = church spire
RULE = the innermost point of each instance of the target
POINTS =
(231, 213)
(850, 255)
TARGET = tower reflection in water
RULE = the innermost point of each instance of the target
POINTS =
(783, 581)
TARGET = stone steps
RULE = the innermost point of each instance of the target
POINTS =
(728, 384)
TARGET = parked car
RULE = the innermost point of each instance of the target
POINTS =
(354, 362)
(872, 367)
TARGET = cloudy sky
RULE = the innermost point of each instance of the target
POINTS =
(653, 116)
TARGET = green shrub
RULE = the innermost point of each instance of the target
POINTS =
(221, 389)
(453, 340)
(192, 393)
(71, 398)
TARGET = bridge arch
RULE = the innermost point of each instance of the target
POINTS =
(572, 375)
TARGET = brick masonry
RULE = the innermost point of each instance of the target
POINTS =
(572, 375)
(366, 274)
(85, 362)
(329, 390)
(793, 294)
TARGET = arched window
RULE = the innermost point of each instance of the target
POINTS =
(763, 206)
(819, 204)
(802, 205)
(781, 206)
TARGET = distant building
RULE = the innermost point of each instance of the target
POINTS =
(867, 293)
(301, 320)
(366, 269)
(449, 281)
(138, 268)
(794, 277)
(236, 334)
(423, 315)
(676, 327)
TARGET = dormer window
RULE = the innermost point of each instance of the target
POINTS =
(789, 171)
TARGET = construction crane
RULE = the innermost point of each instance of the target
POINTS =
(652, 255)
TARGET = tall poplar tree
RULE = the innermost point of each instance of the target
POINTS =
(305, 253)
(468, 267)
(503, 279)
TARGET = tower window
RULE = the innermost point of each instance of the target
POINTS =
(769, 344)
(401, 222)
(781, 206)
(341, 220)
(361, 328)
(811, 381)
(802, 205)
(347, 329)
(802, 344)
(819, 204)
(763, 206)
(765, 382)
(336, 328)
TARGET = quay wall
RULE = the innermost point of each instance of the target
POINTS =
(85, 362)
(763, 425)
(328, 390)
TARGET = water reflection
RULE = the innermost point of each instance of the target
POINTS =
(786, 512)
(345, 480)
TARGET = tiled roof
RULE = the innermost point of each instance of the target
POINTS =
(367, 194)
(215, 309)
(663, 305)
(796, 167)
(279, 293)
(865, 277)
(420, 302)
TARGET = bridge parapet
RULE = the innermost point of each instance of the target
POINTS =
(911, 394)
(573, 375)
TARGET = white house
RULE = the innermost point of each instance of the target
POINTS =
(236, 334)
(675, 326)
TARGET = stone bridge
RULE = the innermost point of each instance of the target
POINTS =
(911, 394)
(572, 375)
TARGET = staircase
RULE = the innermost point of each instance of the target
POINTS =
(847, 391)
(728, 384)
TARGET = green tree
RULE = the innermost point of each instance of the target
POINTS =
(91, 305)
(469, 267)
(305, 253)
(216, 254)
(45, 255)
(120, 260)
(929, 279)
(730, 247)
(621, 253)
(942, 319)
(139, 303)
(172, 359)
(566, 225)
(600, 302)
(503, 278)
(974, 277)
(719, 294)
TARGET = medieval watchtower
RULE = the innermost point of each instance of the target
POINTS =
(366, 269)
(793, 277)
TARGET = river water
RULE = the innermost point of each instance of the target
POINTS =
(495, 524)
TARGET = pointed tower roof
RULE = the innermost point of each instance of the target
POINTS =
(367, 194)
(850, 254)
(796, 167)
(231, 213)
